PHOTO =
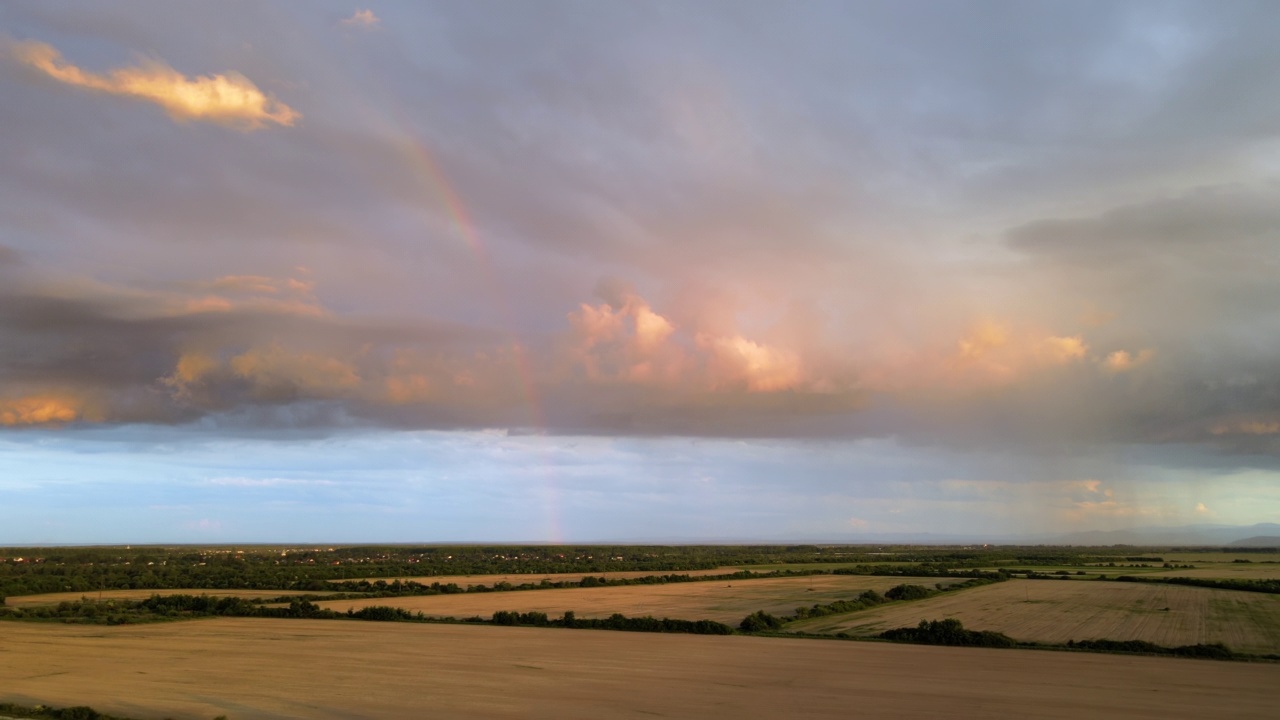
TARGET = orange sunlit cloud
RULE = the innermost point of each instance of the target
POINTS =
(228, 99)
(1124, 361)
(363, 17)
(260, 293)
(984, 338)
(192, 368)
(634, 343)
(408, 389)
(1064, 349)
(761, 368)
(631, 343)
(274, 367)
(1247, 427)
(41, 410)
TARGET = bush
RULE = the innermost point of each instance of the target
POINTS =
(908, 592)
(948, 632)
(759, 621)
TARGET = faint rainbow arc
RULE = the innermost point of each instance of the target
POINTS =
(429, 171)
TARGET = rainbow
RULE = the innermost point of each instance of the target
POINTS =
(437, 188)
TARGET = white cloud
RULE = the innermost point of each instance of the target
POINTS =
(225, 98)
(363, 17)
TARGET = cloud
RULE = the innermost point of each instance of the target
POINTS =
(274, 371)
(633, 343)
(42, 409)
(865, 275)
(192, 368)
(1247, 427)
(204, 525)
(9, 256)
(253, 482)
(1123, 361)
(984, 338)
(227, 99)
(1065, 349)
(630, 343)
(736, 361)
(364, 18)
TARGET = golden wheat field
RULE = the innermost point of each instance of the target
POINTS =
(1047, 611)
(251, 669)
(522, 578)
(725, 601)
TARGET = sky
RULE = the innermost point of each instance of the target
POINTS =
(636, 271)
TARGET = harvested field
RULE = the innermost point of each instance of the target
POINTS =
(725, 601)
(28, 601)
(257, 668)
(522, 578)
(1228, 571)
(1225, 556)
(1055, 612)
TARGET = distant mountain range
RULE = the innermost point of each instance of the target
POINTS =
(1272, 541)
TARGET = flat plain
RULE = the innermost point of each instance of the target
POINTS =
(1058, 611)
(522, 578)
(726, 601)
(249, 669)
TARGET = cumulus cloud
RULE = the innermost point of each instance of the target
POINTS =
(634, 343)
(363, 18)
(630, 343)
(225, 98)
(760, 368)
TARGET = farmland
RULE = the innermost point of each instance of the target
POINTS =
(300, 659)
(1227, 571)
(45, 599)
(724, 601)
(246, 668)
(535, 578)
(1055, 612)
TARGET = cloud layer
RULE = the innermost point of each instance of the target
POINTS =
(1048, 233)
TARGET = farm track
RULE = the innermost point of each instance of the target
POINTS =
(252, 669)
